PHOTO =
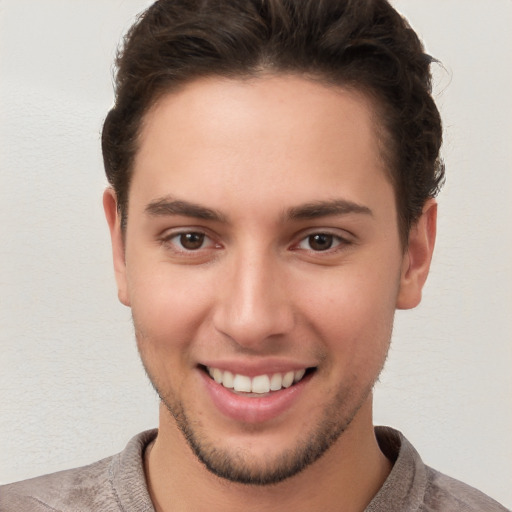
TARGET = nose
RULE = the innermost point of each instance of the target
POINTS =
(253, 307)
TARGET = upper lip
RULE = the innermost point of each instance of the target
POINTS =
(255, 368)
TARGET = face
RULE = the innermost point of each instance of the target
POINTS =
(263, 266)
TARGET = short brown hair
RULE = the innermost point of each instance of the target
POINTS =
(361, 44)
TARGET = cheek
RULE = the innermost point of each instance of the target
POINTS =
(168, 307)
(354, 312)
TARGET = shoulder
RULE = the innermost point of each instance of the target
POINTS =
(445, 493)
(104, 485)
(64, 490)
(414, 486)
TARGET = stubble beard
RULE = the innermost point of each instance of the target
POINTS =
(234, 465)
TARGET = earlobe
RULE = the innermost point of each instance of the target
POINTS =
(417, 257)
(116, 236)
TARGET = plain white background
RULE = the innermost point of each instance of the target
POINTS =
(72, 388)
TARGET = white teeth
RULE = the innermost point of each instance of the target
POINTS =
(288, 379)
(242, 383)
(228, 380)
(260, 384)
(276, 382)
(298, 375)
(217, 376)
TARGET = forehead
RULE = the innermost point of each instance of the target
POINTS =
(267, 101)
(258, 136)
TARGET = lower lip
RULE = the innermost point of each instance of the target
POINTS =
(253, 409)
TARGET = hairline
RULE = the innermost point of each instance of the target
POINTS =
(376, 108)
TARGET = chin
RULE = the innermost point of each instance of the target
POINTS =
(258, 457)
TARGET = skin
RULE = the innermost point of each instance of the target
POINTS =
(257, 291)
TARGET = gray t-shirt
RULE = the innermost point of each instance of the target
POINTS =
(118, 484)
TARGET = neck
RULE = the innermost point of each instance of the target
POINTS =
(345, 478)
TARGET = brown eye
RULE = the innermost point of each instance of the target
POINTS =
(192, 241)
(320, 241)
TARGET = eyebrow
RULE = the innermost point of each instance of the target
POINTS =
(169, 206)
(319, 209)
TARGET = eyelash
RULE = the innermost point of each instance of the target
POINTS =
(168, 240)
(337, 242)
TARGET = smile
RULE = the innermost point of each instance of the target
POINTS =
(252, 396)
(259, 384)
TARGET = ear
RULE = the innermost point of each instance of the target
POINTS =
(116, 235)
(417, 257)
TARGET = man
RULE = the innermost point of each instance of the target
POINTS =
(273, 169)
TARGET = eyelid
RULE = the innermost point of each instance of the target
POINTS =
(337, 241)
(344, 239)
(172, 233)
